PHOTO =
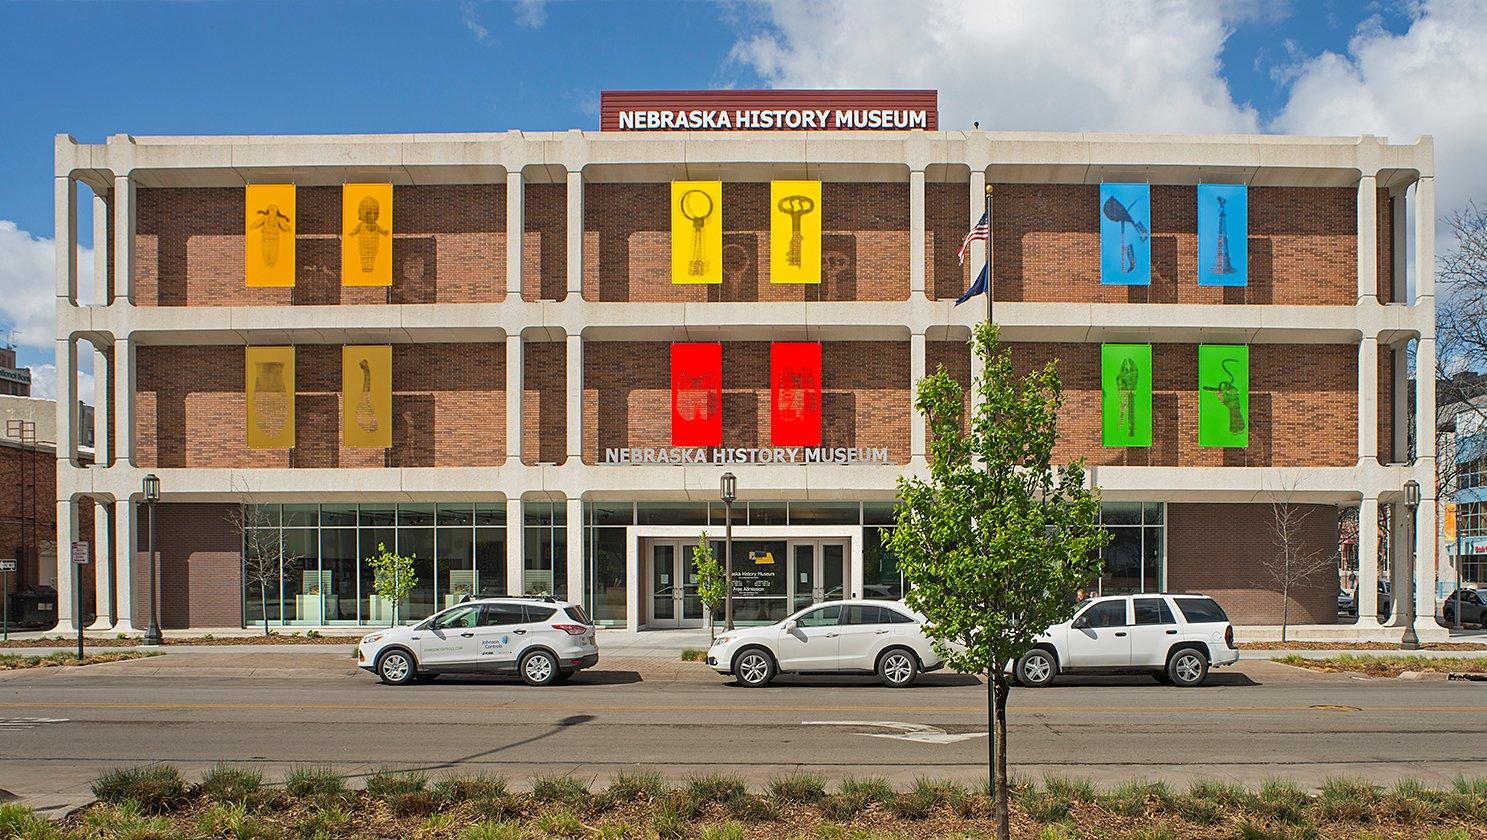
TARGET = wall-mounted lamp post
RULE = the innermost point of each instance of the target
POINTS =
(728, 490)
(152, 495)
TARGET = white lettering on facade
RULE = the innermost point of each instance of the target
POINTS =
(773, 119)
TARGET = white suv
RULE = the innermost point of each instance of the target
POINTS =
(543, 640)
(839, 637)
(1175, 638)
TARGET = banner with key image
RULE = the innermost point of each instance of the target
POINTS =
(366, 396)
(1125, 394)
(366, 235)
(268, 235)
(269, 381)
(795, 232)
(696, 232)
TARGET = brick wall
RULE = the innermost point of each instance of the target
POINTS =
(1386, 406)
(200, 573)
(627, 396)
(449, 246)
(544, 258)
(544, 406)
(627, 245)
(1302, 247)
(1386, 246)
(1220, 550)
(947, 217)
(448, 408)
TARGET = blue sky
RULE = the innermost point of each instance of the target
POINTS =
(95, 69)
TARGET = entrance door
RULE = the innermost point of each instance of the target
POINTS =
(817, 572)
(673, 586)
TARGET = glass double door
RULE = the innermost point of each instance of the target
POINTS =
(817, 572)
(673, 584)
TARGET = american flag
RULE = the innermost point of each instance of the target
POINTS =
(981, 232)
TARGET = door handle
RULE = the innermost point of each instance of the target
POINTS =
(1172, 632)
(467, 635)
(1120, 633)
(831, 635)
(881, 632)
(518, 632)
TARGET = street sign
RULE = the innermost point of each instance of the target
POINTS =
(7, 565)
(80, 553)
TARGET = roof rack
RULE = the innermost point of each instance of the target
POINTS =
(546, 599)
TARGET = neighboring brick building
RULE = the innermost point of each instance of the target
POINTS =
(531, 316)
(14, 381)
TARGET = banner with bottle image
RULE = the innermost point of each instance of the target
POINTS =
(269, 382)
(696, 232)
(795, 232)
(1223, 395)
(795, 393)
(366, 396)
(1125, 234)
(268, 235)
(366, 235)
(1223, 235)
(697, 394)
(1125, 394)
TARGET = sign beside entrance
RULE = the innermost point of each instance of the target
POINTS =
(638, 455)
(768, 110)
(80, 552)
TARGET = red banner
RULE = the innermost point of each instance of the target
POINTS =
(696, 395)
(795, 394)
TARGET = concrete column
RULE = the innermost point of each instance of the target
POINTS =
(514, 375)
(69, 418)
(1367, 594)
(575, 234)
(123, 385)
(1401, 405)
(1425, 411)
(124, 218)
(66, 532)
(1424, 564)
(1368, 240)
(1425, 244)
(1368, 400)
(125, 546)
(516, 195)
(1399, 584)
(103, 569)
(515, 546)
(918, 436)
(102, 446)
(101, 291)
(575, 552)
(65, 252)
(574, 374)
(916, 233)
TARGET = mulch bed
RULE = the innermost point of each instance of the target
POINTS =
(1297, 645)
(52, 660)
(134, 641)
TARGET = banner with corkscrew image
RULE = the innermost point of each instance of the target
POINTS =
(366, 396)
(696, 232)
(269, 383)
(1223, 235)
(268, 236)
(1125, 234)
(697, 394)
(1125, 394)
(366, 235)
(1223, 395)
(795, 232)
(795, 393)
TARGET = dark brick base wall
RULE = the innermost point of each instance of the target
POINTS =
(200, 575)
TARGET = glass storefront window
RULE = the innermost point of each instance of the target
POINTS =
(763, 513)
(456, 514)
(604, 577)
(879, 513)
(490, 562)
(301, 516)
(671, 513)
(419, 543)
(825, 513)
(545, 565)
(455, 574)
(880, 575)
(611, 513)
(490, 513)
(1135, 559)
(415, 515)
(760, 591)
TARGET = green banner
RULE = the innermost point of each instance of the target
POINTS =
(1125, 389)
(1223, 395)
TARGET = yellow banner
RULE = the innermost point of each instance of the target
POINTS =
(366, 235)
(795, 232)
(366, 397)
(696, 231)
(268, 241)
(270, 386)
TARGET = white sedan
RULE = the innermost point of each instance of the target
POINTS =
(836, 637)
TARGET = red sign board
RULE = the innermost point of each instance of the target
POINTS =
(768, 110)
(697, 394)
(795, 394)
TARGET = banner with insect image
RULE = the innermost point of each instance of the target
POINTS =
(1223, 395)
(366, 396)
(366, 235)
(1223, 235)
(696, 232)
(1125, 234)
(268, 235)
(795, 232)
(1125, 394)
(697, 394)
(269, 383)
(795, 393)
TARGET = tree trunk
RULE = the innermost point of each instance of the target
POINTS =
(263, 605)
(1285, 609)
(997, 689)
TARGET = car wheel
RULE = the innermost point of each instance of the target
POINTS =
(1036, 668)
(754, 668)
(1449, 616)
(1187, 668)
(897, 668)
(396, 667)
(539, 668)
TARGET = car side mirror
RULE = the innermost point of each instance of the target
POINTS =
(790, 626)
(1080, 623)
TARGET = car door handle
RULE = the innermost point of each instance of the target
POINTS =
(1172, 632)
(467, 635)
(1120, 633)
(831, 635)
(881, 632)
(518, 632)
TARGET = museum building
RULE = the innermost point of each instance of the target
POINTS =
(528, 358)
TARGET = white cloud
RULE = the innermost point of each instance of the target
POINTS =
(1141, 65)
(27, 286)
(44, 382)
(470, 17)
(531, 13)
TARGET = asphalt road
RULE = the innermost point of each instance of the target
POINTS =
(58, 731)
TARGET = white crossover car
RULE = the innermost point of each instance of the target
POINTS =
(1175, 638)
(542, 640)
(838, 637)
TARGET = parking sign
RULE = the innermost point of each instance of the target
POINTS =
(80, 553)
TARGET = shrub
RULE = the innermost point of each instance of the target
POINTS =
(673, 813)
(914, 804)
(693, 655)
(500, 808)
(843, 806)
(128, 820)
(227, 784)
(1347, 799)
(715, 787)
(385, 783)
(233, 820)
(751, 808)
(156, 789)
(560, 823)
(1282, 800)
(317, 783)
(563, 789)
(452, 790)
(798, 787)
(1199, 810)
(872, 789)
(629, 787)
(492, 831)
(1134, 799)
(725, 831)
(1221, 794)
(327, 823)
(21, 822)
(411, 803)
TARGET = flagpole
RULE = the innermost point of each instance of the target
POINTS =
(990, 276)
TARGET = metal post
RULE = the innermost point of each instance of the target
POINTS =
(1460, 561)
(728, 566)
(5, 603)
(152, 495)
(77, 603)
(990, 270)
(1410, 640)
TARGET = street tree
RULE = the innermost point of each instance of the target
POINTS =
(994, 543)
(711, 582)
(392, 576)
(1293, 563)
(265, 554)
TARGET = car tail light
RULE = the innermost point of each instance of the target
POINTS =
(1229, 636)
(571, 629)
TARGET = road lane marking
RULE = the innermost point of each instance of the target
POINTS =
(919, 733)
(9, 724)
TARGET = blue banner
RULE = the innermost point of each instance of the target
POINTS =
(1223, 235)
(1125, 234)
